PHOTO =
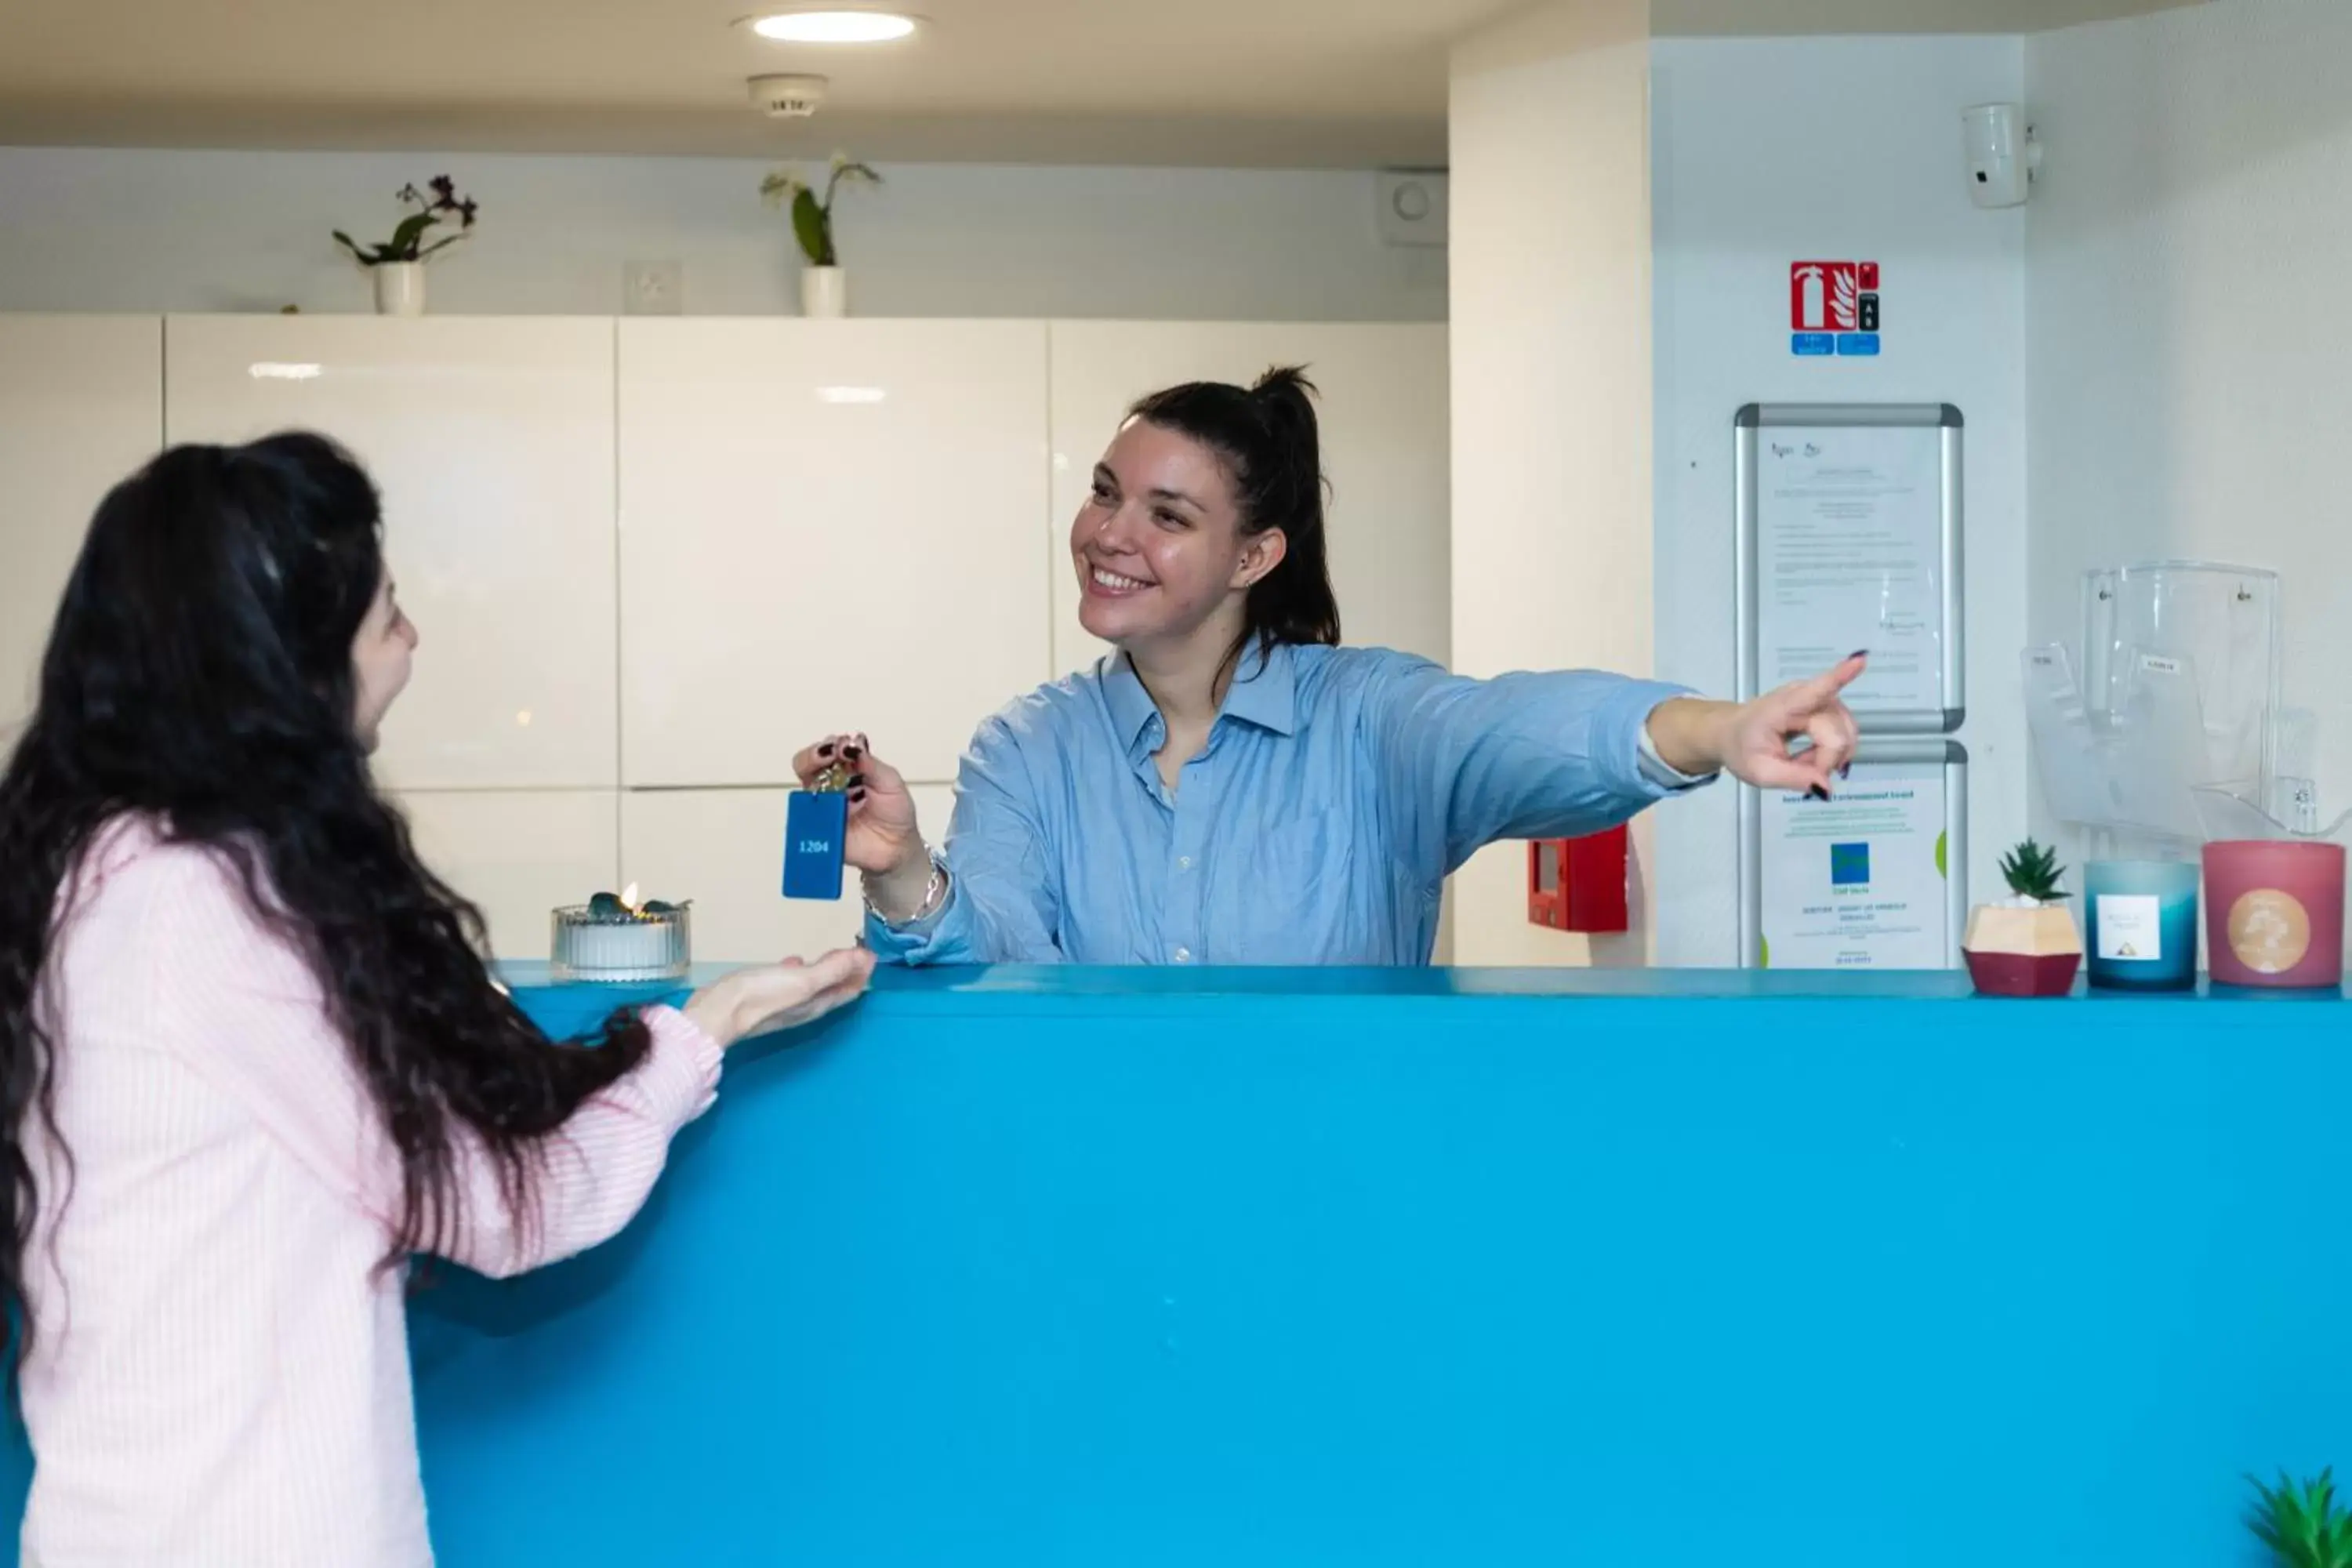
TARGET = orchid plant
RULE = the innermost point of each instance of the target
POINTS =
(812, 215)
(438, 203)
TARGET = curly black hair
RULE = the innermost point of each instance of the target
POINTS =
(200, 674)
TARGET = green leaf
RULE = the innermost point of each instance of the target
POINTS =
(353, 245)
(442, 243)
(403, 246)
(813, 229)
(2033, 872)
(2301, 1523)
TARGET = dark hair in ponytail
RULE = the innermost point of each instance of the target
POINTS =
(1267, 438)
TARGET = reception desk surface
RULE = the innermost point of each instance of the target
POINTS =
(1631, 1268)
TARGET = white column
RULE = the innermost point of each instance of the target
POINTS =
(1549, 239)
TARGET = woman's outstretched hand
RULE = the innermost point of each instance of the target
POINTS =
(771, 996)
(1750, 741)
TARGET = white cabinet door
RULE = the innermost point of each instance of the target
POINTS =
(491, 441)
(725, 850)
(826, 525)
(518, 854)
(81, 407)
(1386, 451)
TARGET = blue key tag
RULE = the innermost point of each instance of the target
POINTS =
(816, 820)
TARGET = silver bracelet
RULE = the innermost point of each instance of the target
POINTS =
(935, 893)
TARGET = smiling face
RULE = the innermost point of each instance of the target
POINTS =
(1159, 546)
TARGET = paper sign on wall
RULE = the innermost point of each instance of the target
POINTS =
(1857, 881)
(1834, 308)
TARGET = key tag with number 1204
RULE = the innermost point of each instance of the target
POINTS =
(816, 820)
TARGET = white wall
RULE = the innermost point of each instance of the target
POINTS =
(2190, 329)
(152, 231)
(1766, 151)
(1550, 334)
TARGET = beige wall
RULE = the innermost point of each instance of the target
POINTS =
(1550, 347)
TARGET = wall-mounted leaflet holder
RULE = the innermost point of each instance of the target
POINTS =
(1849, 537)
(1874, 878)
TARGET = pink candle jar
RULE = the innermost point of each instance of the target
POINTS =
(2275, 912)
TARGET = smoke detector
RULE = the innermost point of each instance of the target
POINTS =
(787, 97)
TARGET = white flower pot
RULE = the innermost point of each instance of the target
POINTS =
(400, 288)
(824, 291)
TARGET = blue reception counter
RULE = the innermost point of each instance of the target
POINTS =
(1634, 1269)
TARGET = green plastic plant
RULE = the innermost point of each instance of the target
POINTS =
(812, 215)
(2033, 872)
(2301, 1523)
(438, 203)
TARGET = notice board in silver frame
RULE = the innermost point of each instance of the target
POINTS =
(1849, 524)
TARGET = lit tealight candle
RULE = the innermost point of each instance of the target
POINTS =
(621, 937)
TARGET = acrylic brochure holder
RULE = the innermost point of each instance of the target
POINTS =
(2128, 769)
(1849, 536)
(2222, 623)
(2166, 736)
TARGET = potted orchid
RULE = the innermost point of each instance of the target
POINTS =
(825, 287)
(398, 264)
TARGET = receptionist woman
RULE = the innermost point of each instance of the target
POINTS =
(1230, 786)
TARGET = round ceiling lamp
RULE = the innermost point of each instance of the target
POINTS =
(832, 26)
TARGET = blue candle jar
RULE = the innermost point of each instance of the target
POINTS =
(2140, 924)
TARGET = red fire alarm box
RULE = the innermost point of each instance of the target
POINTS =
(1578, 884)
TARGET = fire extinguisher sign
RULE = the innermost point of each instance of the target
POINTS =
(1834, 308)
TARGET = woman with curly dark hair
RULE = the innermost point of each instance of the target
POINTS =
(251, 1059)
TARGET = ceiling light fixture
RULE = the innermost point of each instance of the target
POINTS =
(834, 26)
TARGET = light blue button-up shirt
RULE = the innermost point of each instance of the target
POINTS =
(1339, 788)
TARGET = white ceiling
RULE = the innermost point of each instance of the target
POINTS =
(1303, 83)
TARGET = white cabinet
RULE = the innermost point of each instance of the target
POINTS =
(518, 854)
(81, 407)
(650, 558)
(725, 850)
(826, 525)
(491, 441)
(1382, 417)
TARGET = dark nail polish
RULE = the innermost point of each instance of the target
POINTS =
(1858, 653)
(852, 752)
(857, 798)
(825, 750)
(856, 780)
(1815, 791)
(1846, 772)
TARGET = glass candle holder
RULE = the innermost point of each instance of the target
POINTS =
(2275, 912)
(2140, 924)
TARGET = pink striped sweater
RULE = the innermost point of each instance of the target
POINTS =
(221, 1376)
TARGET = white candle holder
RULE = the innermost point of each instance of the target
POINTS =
(601, 942)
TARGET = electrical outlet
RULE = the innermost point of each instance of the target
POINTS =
(652, 287)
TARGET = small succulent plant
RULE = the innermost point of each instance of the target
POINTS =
(812, 215)
(2300, 1522)
(438, 203)
(2033, 873)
